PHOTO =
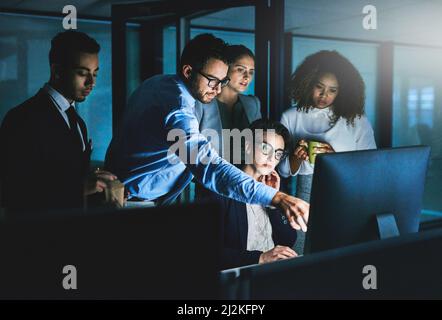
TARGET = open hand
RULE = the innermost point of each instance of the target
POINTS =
(295, 209)
(272, 180)
(277, 253)
(97, 181)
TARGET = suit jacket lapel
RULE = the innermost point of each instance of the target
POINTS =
(53, 111)
(249, 111)
(57, 119)
(83, 129)
(243, 224)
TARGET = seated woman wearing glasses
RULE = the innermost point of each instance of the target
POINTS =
(251, 233)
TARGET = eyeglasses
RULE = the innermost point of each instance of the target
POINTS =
(245, 72)
(214, 82)
(267, 150)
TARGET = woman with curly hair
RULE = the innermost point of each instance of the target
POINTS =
(328, 95)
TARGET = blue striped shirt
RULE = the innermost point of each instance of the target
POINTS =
(141, 157)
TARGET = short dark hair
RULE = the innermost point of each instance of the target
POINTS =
(277, 127)
(234, 52)
(65, 45)
(202, 48)
(350, 101)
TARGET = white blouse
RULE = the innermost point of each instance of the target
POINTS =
(259, 235)
(315, 125)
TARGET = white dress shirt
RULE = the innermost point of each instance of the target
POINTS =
(259, 234)
(315, 125)
(62, 105)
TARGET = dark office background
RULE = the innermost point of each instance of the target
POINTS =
(408, 31)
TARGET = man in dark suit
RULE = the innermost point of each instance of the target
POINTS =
(44, 142)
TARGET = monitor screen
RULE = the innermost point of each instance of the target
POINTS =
(360, 196)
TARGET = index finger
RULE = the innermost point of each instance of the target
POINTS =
(302, 223)
(289, 251)
(303, 143)
(304, 209)
(275, 174)
(322, 149)
(300, 211)
(105, 176)
(292, 220)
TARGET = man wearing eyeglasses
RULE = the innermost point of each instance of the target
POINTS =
(142, 154)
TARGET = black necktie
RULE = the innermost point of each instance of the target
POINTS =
(73, 123)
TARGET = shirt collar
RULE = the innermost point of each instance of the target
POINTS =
(61, 102)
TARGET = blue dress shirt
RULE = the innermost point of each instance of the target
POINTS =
(147, 163)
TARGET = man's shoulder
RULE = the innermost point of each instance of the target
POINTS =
(29, 109)
(160, 81)
(163, 89)
(158, 78)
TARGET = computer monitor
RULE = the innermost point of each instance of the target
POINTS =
(405, 267)
(366, 195)
(149, 253)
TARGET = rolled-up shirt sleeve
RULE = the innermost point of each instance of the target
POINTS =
(188, 145)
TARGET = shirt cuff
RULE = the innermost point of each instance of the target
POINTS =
(266, 196)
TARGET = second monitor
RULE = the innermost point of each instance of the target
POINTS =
(360, 196)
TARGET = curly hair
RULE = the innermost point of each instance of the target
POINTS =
(350, 101)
